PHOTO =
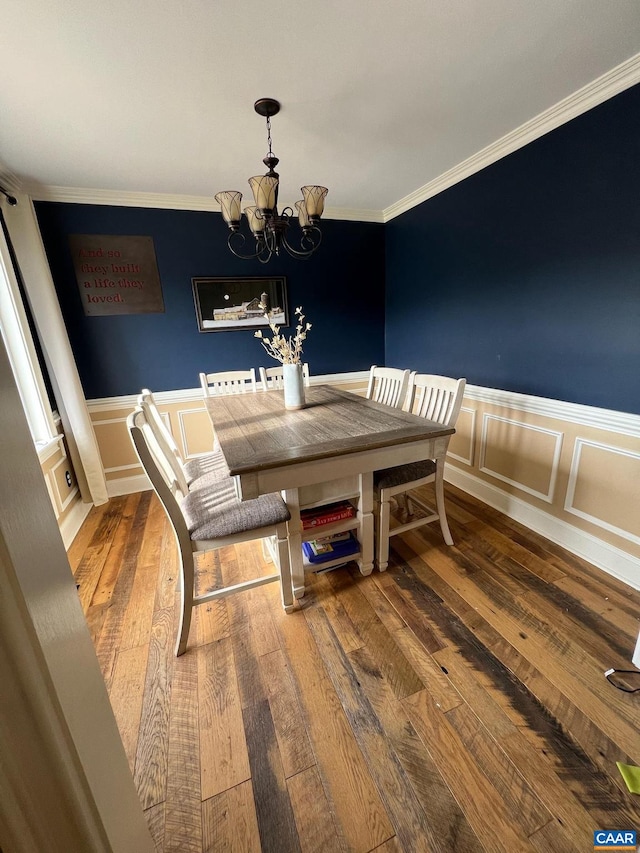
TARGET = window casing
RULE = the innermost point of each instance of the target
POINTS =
(14, 327)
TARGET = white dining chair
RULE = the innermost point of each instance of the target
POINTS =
(187, 470)
(436, 398)
(228, 382)
(272, 377)
(209, 516)
(388, 385)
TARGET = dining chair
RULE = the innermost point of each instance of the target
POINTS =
(228, 382)
(388, 385)
(436, 398)
(272, 377)
(210, 516)
(187, 470)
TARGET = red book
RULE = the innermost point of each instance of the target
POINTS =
(326, 515)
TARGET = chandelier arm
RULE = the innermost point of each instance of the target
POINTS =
(240, 240)
(304, 253)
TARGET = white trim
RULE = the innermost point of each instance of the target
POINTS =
(117, 468)
(611, 83)
(48, 448)
(167, 201)
(469, 461)
(130, 401)
(548, 497)
(599, 90)
(9, 181)
(72, 522)
(603, 555)
(14, 328)
(609, 419)
(190, 395)
(107, 421)
(571, 488)
(128, 485)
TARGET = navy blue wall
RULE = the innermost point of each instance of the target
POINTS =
(526, 276)
(341, 290)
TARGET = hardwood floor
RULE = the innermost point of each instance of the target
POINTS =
(454, 703)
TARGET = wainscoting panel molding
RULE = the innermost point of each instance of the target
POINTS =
(464, 439)
(502, 447)
(196, 431)
(618, 472)
(567, 471)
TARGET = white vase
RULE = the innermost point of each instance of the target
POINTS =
(293, 382)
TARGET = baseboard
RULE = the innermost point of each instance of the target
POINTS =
(603, 555)
(72, 522)
(128, 485)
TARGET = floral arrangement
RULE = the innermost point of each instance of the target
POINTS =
(283, 349)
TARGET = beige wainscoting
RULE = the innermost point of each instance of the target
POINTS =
(60, 480)
(570, 472)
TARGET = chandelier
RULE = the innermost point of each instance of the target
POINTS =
(269, 227)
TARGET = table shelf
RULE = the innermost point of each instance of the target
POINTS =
(329, 529)
(329, 564)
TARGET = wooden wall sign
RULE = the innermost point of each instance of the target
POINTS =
(116, 275)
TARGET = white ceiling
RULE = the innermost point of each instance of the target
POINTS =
(379, 97)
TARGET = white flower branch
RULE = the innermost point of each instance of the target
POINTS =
(283, 349)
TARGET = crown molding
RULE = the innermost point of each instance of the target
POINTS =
(122, 198)
(10, 182)
(599, 90)
(609, 84)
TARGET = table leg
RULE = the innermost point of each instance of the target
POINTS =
(292, 499)
(365, 517)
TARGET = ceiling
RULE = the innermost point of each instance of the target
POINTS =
(378, 98)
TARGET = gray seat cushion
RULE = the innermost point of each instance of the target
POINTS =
(211, 509)
(208, 464)
(401, 474)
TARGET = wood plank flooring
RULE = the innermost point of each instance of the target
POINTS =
(455, 703)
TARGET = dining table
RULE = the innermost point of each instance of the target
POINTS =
(323, 453)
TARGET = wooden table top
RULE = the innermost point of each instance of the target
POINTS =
(256, 432)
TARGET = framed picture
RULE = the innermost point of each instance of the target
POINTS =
(229, 304)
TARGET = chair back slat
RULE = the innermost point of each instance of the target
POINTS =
(228, 382)
(388, 385)
(436, 398)
(146, 399)
(166, 448)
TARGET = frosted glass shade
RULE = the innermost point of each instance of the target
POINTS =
(256, 222)
(314, 199)
(229, 202)
(303, 216)
(264, 191)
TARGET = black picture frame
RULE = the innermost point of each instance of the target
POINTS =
(215, 299)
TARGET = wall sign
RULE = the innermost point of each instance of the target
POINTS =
(116, 275)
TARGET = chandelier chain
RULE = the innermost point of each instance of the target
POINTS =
(270, 152)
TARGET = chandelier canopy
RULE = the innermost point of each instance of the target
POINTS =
(269, 227)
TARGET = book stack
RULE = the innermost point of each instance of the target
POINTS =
(332, 547)
(327, 514)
